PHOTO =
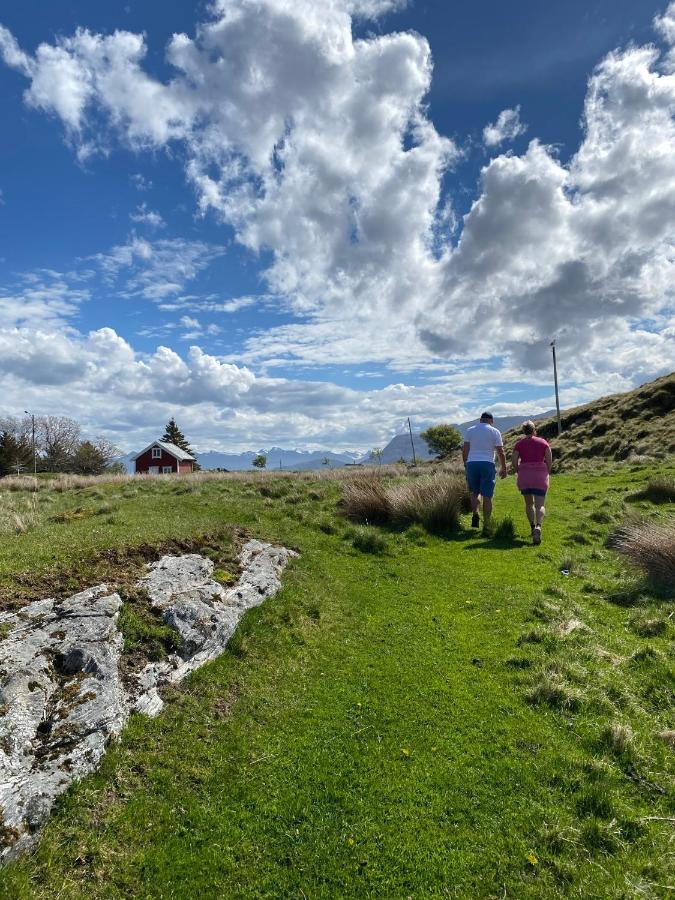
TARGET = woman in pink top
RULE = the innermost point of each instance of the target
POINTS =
(532, 462)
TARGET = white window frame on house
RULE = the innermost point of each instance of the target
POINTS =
(156, 452)
(167, 470)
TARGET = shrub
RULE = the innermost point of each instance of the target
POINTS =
(505, 530)
(368, 541)
(659, 490)
(650, 547)
(326, 526)
(415, 534)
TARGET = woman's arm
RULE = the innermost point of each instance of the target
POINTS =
(548, 459)
(515, 459)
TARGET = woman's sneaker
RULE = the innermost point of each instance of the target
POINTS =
(475, 520)
(536, 534)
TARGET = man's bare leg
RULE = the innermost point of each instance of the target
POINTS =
(487, 509)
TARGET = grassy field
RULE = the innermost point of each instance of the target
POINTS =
(444, 716)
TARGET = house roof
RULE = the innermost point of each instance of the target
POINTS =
(170, 448)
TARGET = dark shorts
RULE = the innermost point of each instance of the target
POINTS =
(481, 477)
(536, 492)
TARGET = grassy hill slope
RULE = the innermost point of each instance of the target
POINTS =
(638, 423)
(454, 716)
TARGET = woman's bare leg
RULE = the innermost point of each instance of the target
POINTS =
(529, 510)
(540, 509)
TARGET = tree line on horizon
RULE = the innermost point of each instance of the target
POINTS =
(56, 445)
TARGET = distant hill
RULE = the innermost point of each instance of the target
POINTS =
(399, 447)
(640, 422)
(505, 423)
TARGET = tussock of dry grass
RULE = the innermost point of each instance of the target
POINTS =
(435, 502)
(366, 499)
(617, 738)
(18, 516)
(650, 547)
(659, 490)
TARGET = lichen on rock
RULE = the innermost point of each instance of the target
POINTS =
(62, 697)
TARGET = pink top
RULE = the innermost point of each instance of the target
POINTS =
(532, 449)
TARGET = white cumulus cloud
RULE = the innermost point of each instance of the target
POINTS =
(507, 128)
(318, 148)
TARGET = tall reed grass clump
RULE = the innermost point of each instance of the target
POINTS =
(435, 502)
(366, 499)
(650, 547)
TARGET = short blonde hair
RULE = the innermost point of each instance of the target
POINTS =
(529, 427)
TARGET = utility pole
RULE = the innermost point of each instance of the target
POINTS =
(32, 417)
(555, 380)
(412, 442)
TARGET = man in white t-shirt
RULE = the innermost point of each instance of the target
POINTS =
(480, 444)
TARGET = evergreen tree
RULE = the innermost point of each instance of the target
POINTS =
(89, 459)
(173, 435)
(14, 452)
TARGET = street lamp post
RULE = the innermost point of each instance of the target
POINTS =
(555, 380)
(32, 417)
(412, 442)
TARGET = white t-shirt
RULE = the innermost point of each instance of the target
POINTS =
(483, 440)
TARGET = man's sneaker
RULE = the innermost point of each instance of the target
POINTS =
(536, 534)
(475, 520)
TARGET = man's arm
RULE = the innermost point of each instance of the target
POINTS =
(502, 462)
(465, 451)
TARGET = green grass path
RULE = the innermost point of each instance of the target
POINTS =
(363, 737)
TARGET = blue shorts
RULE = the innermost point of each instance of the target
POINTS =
(481, 477)
(536, 492)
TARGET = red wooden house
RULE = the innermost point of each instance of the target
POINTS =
(161, 458)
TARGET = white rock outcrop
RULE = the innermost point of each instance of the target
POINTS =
(61, 694)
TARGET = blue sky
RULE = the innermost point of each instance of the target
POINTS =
(300, 229)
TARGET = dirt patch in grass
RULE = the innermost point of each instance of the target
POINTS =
(119, 567)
